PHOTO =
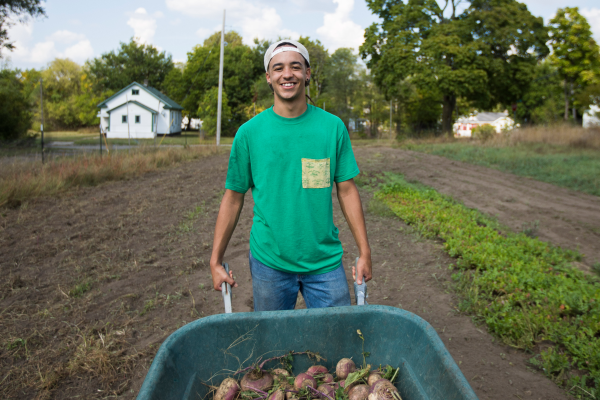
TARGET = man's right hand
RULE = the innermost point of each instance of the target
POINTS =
(219, 276)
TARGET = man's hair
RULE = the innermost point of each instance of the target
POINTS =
(307, 82)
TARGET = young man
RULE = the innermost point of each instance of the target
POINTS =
(290, 156)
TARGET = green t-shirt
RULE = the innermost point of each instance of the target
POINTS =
(291, 165)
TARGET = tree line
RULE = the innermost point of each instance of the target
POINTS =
(426, 64)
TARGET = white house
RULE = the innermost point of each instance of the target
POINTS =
(500, 121)
(139, 112)
(591, 118)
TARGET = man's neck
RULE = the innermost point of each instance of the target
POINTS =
(290, 109)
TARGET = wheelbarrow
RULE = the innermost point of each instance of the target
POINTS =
(191, 356)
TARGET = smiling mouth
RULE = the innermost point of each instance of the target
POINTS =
(288, 85)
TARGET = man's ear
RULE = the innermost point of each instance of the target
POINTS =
(268, 77)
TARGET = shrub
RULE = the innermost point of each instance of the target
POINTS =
(483, 132)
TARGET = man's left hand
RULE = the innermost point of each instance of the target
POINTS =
(364, 270)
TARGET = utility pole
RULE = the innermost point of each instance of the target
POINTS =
(42, 115)
(391, 107)
(219, 105)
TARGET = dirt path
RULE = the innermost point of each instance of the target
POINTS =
(93, 282)
(561, 216)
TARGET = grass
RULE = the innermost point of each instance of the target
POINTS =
(525, 290)
(23, 181)
(563, 156)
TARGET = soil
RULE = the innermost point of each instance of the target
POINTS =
(93, 281)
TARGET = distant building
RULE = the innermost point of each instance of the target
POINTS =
(500, 121)
(591, 118)
(139, 112)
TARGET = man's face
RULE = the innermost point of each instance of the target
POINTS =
(287, 74)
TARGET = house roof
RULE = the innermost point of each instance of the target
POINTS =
(169, 104)
(482, 117)
(136, 103)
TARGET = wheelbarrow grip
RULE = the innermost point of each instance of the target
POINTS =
(360, 291)
(226, 291)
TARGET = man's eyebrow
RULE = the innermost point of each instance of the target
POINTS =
(280, 64)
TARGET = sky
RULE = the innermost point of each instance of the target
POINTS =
(80, 30)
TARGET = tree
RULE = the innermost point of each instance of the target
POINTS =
(207, 110)
(133, 62)
(575, 54)
(319, 62)
(243, 65)
(20, 9)
(486, 54)
(342, 77)
(15, 114)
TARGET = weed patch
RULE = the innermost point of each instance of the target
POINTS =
(22, 182)
(525, 290)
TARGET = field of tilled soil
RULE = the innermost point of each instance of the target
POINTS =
(93, 281)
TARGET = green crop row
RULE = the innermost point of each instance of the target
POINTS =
(524, 289)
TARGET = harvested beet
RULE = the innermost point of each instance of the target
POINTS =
(280, 371)
(373, 377)
(327, 378)
(257, 379)
(359, 392)
(304, 380)
(383, 390)
(344, 367)
(328, 390)
(228, 389)
(277, 395)
(317, 370)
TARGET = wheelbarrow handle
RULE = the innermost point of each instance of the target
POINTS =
(360, 291)
(226, 291)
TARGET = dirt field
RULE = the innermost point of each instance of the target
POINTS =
(94, 281)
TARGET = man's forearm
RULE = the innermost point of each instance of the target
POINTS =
(351, 206)
(229, 214)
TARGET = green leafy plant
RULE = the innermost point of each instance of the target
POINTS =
(525, 290)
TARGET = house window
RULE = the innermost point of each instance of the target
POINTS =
(124, 119)
(137, 119)
(135, 91)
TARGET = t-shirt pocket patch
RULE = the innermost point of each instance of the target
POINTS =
(315, 173)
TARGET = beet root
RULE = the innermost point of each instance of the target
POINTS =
(326, 389)
(359, 392)
(317, 370)
(373, 377)
(383, 390)
(327, 378)
(344, 367)
(228, 389)
(277, 395)
(257, 379)
(303, 380)
(280, 371)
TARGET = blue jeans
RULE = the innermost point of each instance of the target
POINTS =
(276, 290)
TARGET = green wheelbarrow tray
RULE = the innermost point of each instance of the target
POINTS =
(199, 350)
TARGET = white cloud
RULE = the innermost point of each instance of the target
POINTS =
(66, 37)
(54, 46)
(339, 30)
(144, 26)
(80, 51)
(251, 20)
(593, 17)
